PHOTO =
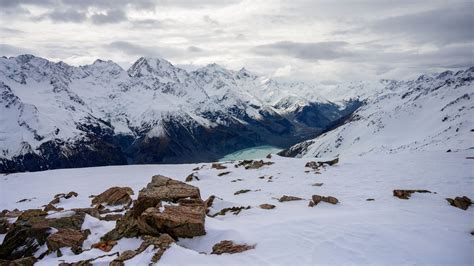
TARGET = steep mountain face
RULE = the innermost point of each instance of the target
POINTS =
(434, 112)
(54, 115)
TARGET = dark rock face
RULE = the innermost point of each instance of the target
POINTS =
(184, 142)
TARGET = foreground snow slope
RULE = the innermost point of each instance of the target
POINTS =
(422, 230)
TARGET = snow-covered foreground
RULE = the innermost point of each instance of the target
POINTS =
(422, 230)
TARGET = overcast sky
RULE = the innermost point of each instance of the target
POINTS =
(325, 41)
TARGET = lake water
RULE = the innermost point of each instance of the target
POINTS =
(258, 152)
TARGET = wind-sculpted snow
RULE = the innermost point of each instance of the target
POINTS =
(434, 112)
(153, 112)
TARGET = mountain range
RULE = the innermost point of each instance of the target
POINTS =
(55, 115)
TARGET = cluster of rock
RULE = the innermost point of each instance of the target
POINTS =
(406, 193)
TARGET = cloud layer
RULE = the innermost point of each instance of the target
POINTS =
(320, 40)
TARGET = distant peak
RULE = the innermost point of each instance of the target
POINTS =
(244, 73)
(151, 65)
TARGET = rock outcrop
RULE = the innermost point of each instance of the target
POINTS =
(406, 193)
(114, 196)
(460, 202)
(227, 246)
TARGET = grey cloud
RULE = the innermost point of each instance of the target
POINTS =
(111, 16)
(69, 15)
(10, 50)
(440, 26)
(195, 49)
(133, 49)
(305, 51)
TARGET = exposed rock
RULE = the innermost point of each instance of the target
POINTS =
(316, 199)
(242, 191)
(27, 261)
(406, 193)
(251, 164)
(22, 241)
(208, 203)
(87, 262)
(183, 216)
(317, 184)
(114, 196)
(161, 243)
(71, 194)
(28, 214)
(5, 225)
(370, 199)
(51, 207)
(288, 198)
(223, 173)
(111, 217)
(178, 221)
(218, 166)
(227, 246)
(65, 238)
(105, 246)
(233, 210)
(269, 156)
(267, 206)
(236, 180)
(191, 177)
(11, 214)
(315, 165)
(460, 202)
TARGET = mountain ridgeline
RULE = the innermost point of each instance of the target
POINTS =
(54, 115)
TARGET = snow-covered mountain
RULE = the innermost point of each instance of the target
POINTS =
(433, 112)
(54, 115)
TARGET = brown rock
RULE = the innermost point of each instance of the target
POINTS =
(28, 214)
(191, 177)
(218, 166)
(251, 164)
(289, 198)
(223, 173)
(233, 210)
(114, 196)
(65, 238)
(28, 261)
(227, 246)
(267, 206)
(178, 221)
(406, 193)
(242, 191)
(105, 246)
(317, 199)
(111, 217)
(71, 194)
(51, 207)
(460, 202)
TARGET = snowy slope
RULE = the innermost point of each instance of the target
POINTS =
(53, 108)
(434, 112)
(424, 230)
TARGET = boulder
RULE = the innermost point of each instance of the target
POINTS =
(227, 246)
(65, 238)
(460, 202)
(267, 206)
(329, 199)
(114, 196)
(406, 193)
(289, 198)
(192, 177)
(218, 166)
(177, 221)
(163, 206)
(105, 246)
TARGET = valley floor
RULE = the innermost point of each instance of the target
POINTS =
(424, 229)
